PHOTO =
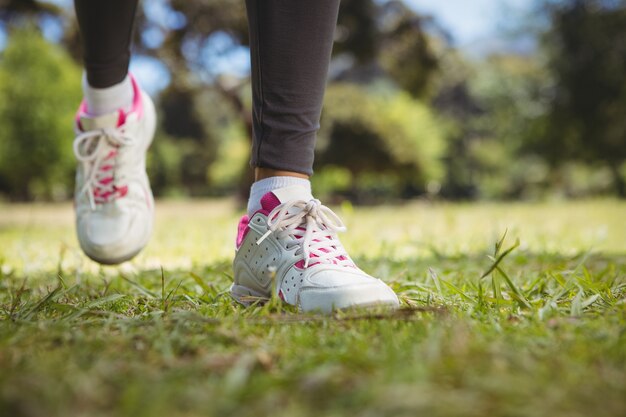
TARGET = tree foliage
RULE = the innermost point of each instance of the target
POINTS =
(386, 40)
(39, 92)
(369, 132)
(588, 60)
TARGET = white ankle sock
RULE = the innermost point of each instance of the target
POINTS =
(107, 100)
(264, 186)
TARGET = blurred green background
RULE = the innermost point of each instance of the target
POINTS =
(537, 111)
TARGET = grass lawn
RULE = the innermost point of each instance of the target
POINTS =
(542, 333)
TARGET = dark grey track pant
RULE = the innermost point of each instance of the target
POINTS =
(290, 47)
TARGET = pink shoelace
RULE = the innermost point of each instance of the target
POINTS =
(313, 228)
(97, 150)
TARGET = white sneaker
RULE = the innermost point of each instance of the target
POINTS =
(113, 200)
(290, 246)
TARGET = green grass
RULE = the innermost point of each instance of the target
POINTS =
(488, 328)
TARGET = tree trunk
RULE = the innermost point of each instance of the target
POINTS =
(618, 179)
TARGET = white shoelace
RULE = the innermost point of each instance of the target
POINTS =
(101, 146)
(318, 242)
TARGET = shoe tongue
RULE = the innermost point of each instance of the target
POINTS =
(109, 120)
(283, 195)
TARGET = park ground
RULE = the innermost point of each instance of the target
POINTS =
(528, 324)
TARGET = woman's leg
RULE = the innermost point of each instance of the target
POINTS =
(291, 43)
(106, 28)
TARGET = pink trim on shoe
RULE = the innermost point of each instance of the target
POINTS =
(269, 202)
(137, 101)
(82, 109)
(242, 230)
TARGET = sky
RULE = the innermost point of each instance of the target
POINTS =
(470, 21)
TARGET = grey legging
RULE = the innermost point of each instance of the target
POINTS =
(290, 47)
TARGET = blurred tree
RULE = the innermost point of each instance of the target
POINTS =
(11, 10)
(386, 40)
(357, 33)
(513, 94)
(459, 107)
(389, 134)
(199, 98)
(408, 54)
(39, 92)
(587, 45)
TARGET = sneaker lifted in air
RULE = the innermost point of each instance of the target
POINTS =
(113, 200)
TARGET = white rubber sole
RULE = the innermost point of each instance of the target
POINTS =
(354, 298)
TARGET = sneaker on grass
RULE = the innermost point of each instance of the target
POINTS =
(290, 246)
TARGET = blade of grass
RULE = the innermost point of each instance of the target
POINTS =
(435, 278)
(516, 294)
(500, 258)
(47, 299)
(141, 288)
(457, 290)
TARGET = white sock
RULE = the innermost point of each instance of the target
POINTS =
(107, 100)
(264, 186)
